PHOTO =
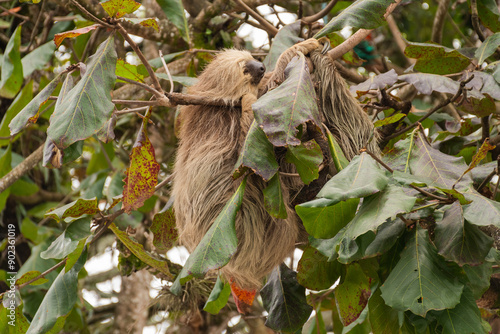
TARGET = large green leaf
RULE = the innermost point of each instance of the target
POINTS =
(38, 58)
(30, 113)
(465, 318)
(285, 38)
(59, 300)
(436, 59)
(174, 10)
(306, 157)
(217, 246)
(362, 177)
(487, 48)
(366, 14)
(458, 240)
(68, 240)
(478, 278)
(257, 154)
(323, 217)
(482, 211)
(422, 280)
(285, 301)
(11, 78)
(315, 272)
(282, 110)
(398, 157)
(353, 293)
(21, 100)
(383, 319)
(88, 105)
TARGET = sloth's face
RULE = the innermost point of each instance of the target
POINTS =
(255, 69)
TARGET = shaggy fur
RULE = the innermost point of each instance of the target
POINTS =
(210, 141)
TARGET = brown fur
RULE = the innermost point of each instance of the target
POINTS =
(210, 141)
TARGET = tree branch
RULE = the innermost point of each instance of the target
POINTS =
(31, 161)
(320, 14)
(270, 29)
(439, 19)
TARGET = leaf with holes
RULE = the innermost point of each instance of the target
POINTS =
(285, 300)
(217, 246)
(88, 106)
(142, 175)
(421, 281)
(366, 14)
(293, 103)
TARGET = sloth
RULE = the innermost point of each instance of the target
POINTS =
(211, 138)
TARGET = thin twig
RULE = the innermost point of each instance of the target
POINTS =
(268, 27)
(143, 85)
(487, 179)
(130, 111)
(475, 20)
(164, 182)
(321, 13)
(11, 12)
(91, 16)
(35, 27)
(168, 72)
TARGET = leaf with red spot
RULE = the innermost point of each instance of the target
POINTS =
(59, 38)
(163, 228)
(74, 209)
(142, 175)
(118, 8)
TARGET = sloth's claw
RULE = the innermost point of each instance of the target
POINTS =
(326, 47)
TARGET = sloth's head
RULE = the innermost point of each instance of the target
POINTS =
(232, 74)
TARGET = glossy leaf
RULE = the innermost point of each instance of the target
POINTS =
(380, 81)
(163, 228)
(139, 251)
(285, 301)
(362, 177)
(421, 280)
(59, 299)
(323, 218)
(59, 38)
(88, 105)
(118, 8)
(257, 154)
(218, 297)
(306, 157)
(282, 110)
(217, 246)
(285, 38)
(273, 198)
(142, 174)
(361, 14)
(74, 209)
(174, 10)
(436, 59)
(352, 294)
(68, 241)
(459, 241)
(11, 78)
(30, 113)
(315, 272)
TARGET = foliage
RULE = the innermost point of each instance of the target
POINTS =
(406, 242)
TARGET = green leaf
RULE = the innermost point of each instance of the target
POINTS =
(339, 159)
(75, 255)
(87, 107)
(478, 278)
(421, 281)
(142, 175)
(163, 228)
(487, 48)
(68, 241)
(363, 14)
(145, 22)
(306, 157)
(139, 251)
(282, 110)
(218, 297)
(352, 294)
(323, 218)
(168, 58)
(217, 246)
(129, 71)
(29, 276)
(273, 198)
(465, 318)
(383, 319)
(174, 10)
(436, 59)
(285, 38)
(24, 188)
(59, 300)
(5, 167)
(285, 300)
(362, 177)
(315, 272)
(257, 154)
(30, 113)
(482, 211)
(398, 158)
(318, 324)
(118, 8)
(11, 78)
(489, 14)
(17, 105)
(74, 209)
(389, 120)
(459, 241)
(465, 129)
(38, 58)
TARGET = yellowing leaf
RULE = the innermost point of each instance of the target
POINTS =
(59, 38)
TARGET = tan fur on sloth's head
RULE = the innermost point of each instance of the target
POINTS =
(232, 74)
